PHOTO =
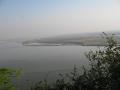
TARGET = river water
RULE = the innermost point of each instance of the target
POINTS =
(36, 61)
(42, 58)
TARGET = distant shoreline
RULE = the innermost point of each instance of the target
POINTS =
(86, 40)
(39, 44)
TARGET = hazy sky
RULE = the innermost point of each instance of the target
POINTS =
(42, 18)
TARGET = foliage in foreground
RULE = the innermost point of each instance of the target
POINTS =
(6, 78)
(103, 73)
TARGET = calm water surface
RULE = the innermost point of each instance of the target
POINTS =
(39, 62)
(42, 58)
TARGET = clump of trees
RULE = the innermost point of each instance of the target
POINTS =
(103, 72)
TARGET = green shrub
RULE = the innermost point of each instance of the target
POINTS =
(6, 78)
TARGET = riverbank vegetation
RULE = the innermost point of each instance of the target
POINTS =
(7, 76)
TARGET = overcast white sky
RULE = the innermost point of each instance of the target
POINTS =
(43, 18)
